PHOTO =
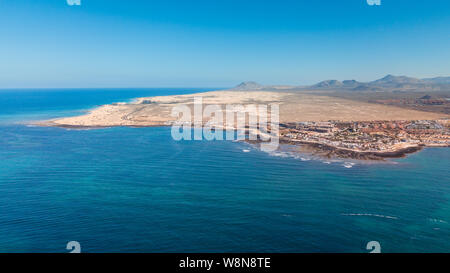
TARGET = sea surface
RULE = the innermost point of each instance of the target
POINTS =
(137, 190)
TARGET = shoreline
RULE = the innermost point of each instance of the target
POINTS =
(314, 122)
(329, 151)
(322, 150)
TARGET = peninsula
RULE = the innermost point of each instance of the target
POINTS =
(327, 121)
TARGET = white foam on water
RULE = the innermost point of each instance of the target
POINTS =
(289, 154)
(280, 154)
(370, 215)
(437, 221)
(348, 165)
(246, 151)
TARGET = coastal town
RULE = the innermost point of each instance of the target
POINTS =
(367, 139)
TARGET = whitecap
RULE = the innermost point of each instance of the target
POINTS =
(279, 154)
(348, 165)
(370, 214)
(437, 221)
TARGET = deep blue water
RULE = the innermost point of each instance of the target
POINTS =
(26, 105)
(137, 190)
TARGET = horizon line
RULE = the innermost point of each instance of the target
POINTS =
(207, 87)
(148, 87)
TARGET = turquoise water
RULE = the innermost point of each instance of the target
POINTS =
(137, 190)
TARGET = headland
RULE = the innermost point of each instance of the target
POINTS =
(324, 122)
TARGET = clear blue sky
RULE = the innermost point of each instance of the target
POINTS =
(135, 43)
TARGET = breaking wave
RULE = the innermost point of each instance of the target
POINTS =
(370, 215)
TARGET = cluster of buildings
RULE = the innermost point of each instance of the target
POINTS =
(374, 136)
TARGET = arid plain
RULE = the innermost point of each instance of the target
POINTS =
(294, 107)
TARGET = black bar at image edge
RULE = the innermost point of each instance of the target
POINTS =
(226, 262)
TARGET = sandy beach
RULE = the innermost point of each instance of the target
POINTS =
(294, 107)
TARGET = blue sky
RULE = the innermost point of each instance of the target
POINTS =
(215, 43)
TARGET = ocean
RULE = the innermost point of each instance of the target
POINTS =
(138, 190)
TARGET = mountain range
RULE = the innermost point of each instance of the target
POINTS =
(387, 83)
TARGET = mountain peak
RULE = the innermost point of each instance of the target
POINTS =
(351, 83)
(248, 85)
(391, 79)
(328, 83)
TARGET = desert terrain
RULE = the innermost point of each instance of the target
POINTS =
(294, 107)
